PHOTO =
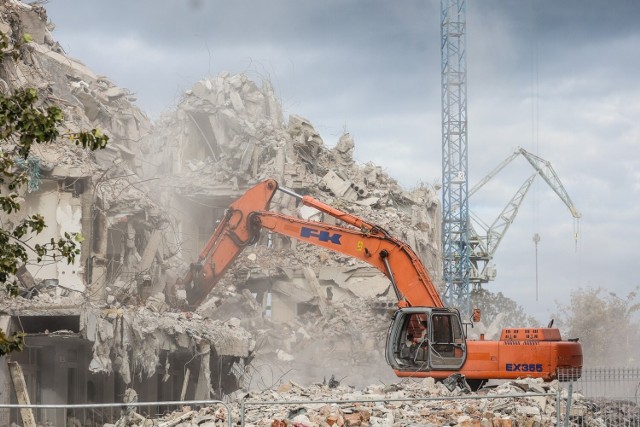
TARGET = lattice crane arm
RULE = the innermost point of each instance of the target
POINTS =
(498, 229)
(484, 246)
(494, 172)
(543, 167)
(547, 173)
(488, 244)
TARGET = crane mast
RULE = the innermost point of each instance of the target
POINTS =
(466, 254)
(455, 198)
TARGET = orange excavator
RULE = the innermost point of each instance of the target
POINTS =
(425, 339)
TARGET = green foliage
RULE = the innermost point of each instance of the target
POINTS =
(14, 342)
(7, 48)
(23, 122)
(606, 324)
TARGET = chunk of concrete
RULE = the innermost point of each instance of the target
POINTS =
(338, 186)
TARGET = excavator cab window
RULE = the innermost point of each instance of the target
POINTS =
(448, 347)
(424, 339)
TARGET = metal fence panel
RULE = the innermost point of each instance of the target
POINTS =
(124, 414)
(602, 397)
(599, 398)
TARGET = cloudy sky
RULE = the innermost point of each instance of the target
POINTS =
(557, 78)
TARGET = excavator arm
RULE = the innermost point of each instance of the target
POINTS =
(248, 215)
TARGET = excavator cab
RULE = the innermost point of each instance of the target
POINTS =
(426, 339)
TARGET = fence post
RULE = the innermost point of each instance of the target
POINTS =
(568, 411)
(558, 402)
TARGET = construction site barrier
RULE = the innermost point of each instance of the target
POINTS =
(596, 397)
(98, 414)
(601, 397)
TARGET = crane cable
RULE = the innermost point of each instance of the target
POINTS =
(535, 127)
(535, 136)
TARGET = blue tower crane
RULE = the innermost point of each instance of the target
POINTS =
(455, 188)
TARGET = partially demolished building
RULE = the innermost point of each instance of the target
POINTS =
(226, 134)
(115, 319)
(94, 329)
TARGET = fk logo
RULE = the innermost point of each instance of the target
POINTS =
(323, 236)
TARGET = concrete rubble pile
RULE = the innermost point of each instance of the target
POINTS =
(227, 134)
(186, 416)
(384, 405)
(597, 412)
(443, 410)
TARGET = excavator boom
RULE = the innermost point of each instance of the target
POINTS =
(371, 246)
(249, 214)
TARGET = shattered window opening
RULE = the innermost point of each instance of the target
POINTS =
(76, 186)
(42, 324)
